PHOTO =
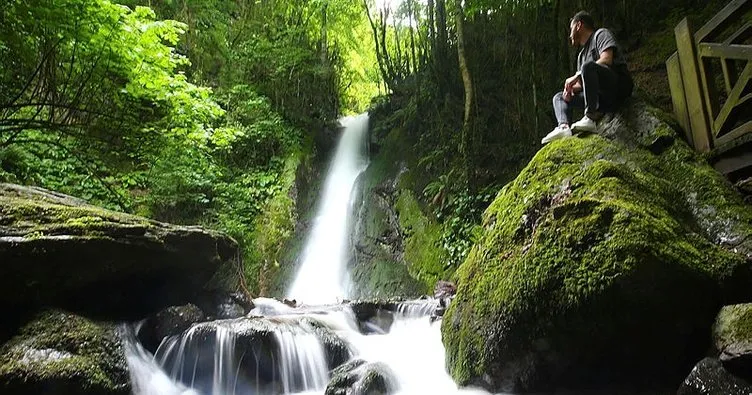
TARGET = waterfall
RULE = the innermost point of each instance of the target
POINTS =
(279, 349)
(322, 275)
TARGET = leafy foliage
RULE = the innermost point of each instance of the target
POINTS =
(193, 112)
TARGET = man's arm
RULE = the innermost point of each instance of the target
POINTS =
(607, 57)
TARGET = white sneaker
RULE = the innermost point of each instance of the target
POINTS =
(559, 133)
(585, 125)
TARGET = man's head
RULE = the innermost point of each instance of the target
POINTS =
(581, 27)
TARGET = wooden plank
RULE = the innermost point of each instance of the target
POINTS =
(707, 74)
(722, 149)
(745, 99)
(727, 165)
(735, 134)
(729, 74)
(722, 19)
(677, 95)
(698, 118)
(740, 35)
(733, 99)
(733, 51)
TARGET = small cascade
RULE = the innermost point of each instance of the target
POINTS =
(278, 355)
(322, 275)
(302, 363)
(147, 377)
(417, 308)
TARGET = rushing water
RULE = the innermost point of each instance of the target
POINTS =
(278, 349)
(322, 274)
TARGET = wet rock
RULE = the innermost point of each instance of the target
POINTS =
(221, 305)
(255, 348)
(168, 322)
(365, 309)
(732, 338)
(599, 254)
(444, 289)
(359, 377)
(59, 251)
(61, 353)
(709, 377)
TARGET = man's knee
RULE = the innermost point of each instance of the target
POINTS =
(590, 67)
(558, 98)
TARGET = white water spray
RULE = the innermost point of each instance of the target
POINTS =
(322, 275)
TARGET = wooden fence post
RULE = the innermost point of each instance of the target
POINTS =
(693, 92)
(678, 99)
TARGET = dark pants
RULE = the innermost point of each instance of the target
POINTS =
(600, 93)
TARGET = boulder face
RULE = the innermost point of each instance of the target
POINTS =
(603, 263)
(359, 377)
(59, 251)
(60, 353)
(732, 339)
(710, 378)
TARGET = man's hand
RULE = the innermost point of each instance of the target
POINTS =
(571, 86)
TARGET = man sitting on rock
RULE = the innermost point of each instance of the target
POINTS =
(602, 81)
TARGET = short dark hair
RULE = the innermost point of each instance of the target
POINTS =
(585, 18)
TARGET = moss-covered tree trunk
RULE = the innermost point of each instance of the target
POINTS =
(467, 139)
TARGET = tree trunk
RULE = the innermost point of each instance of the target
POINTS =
(441, 43)
(324, 38)
(466, 148)
(413, 20)
(379, 57)
(431, 29)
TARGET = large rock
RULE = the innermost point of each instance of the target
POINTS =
(710, 378)
(732, 339)
(257, 349)
(58, 251)
(359, 377)
(171, 321)
(60, 353)
(604, 263)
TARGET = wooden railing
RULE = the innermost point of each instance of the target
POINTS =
(716, 120)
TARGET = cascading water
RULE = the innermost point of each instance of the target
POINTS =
(278, 349)
(321, 277)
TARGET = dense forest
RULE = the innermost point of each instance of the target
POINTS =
(204, 112)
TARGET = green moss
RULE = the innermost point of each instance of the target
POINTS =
(64, 351)
(733, 325)
(36, 216)
(272, 231)
(591, 251)
(423, 254)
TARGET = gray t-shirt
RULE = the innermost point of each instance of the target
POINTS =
(599, 41)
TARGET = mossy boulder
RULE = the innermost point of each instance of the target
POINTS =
(732, 339)
(64, 354)
(604, 263)
(59, 251)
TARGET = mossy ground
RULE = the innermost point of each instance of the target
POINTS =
(89, 357)
(598, 255)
